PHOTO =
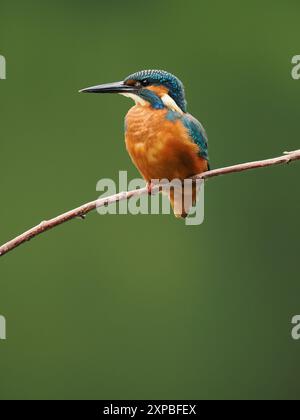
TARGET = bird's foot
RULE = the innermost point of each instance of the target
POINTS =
(150, 186)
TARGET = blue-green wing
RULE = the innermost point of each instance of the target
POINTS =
(195, 129)
(197, 133)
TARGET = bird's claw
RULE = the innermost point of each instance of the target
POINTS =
(149, 187)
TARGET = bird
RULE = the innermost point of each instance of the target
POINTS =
(163, 140)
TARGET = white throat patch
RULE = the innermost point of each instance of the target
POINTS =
(136, 98)
(166, 99)
(171, 104)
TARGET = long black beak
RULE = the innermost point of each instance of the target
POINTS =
(117, 87)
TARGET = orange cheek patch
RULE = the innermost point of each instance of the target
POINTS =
(158, 90)
(130, 82)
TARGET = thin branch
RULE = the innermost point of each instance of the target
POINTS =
(87, 208)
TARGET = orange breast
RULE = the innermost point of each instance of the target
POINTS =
(161, 148)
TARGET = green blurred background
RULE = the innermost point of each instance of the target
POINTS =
(139, 307)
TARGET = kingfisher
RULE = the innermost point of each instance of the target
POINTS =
(163, 140)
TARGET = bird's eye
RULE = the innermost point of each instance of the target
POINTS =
(145, 82)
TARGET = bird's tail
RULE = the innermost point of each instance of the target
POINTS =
(183, 199)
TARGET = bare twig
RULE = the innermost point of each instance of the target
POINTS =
(87, 208)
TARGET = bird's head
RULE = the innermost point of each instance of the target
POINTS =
(158, 88)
